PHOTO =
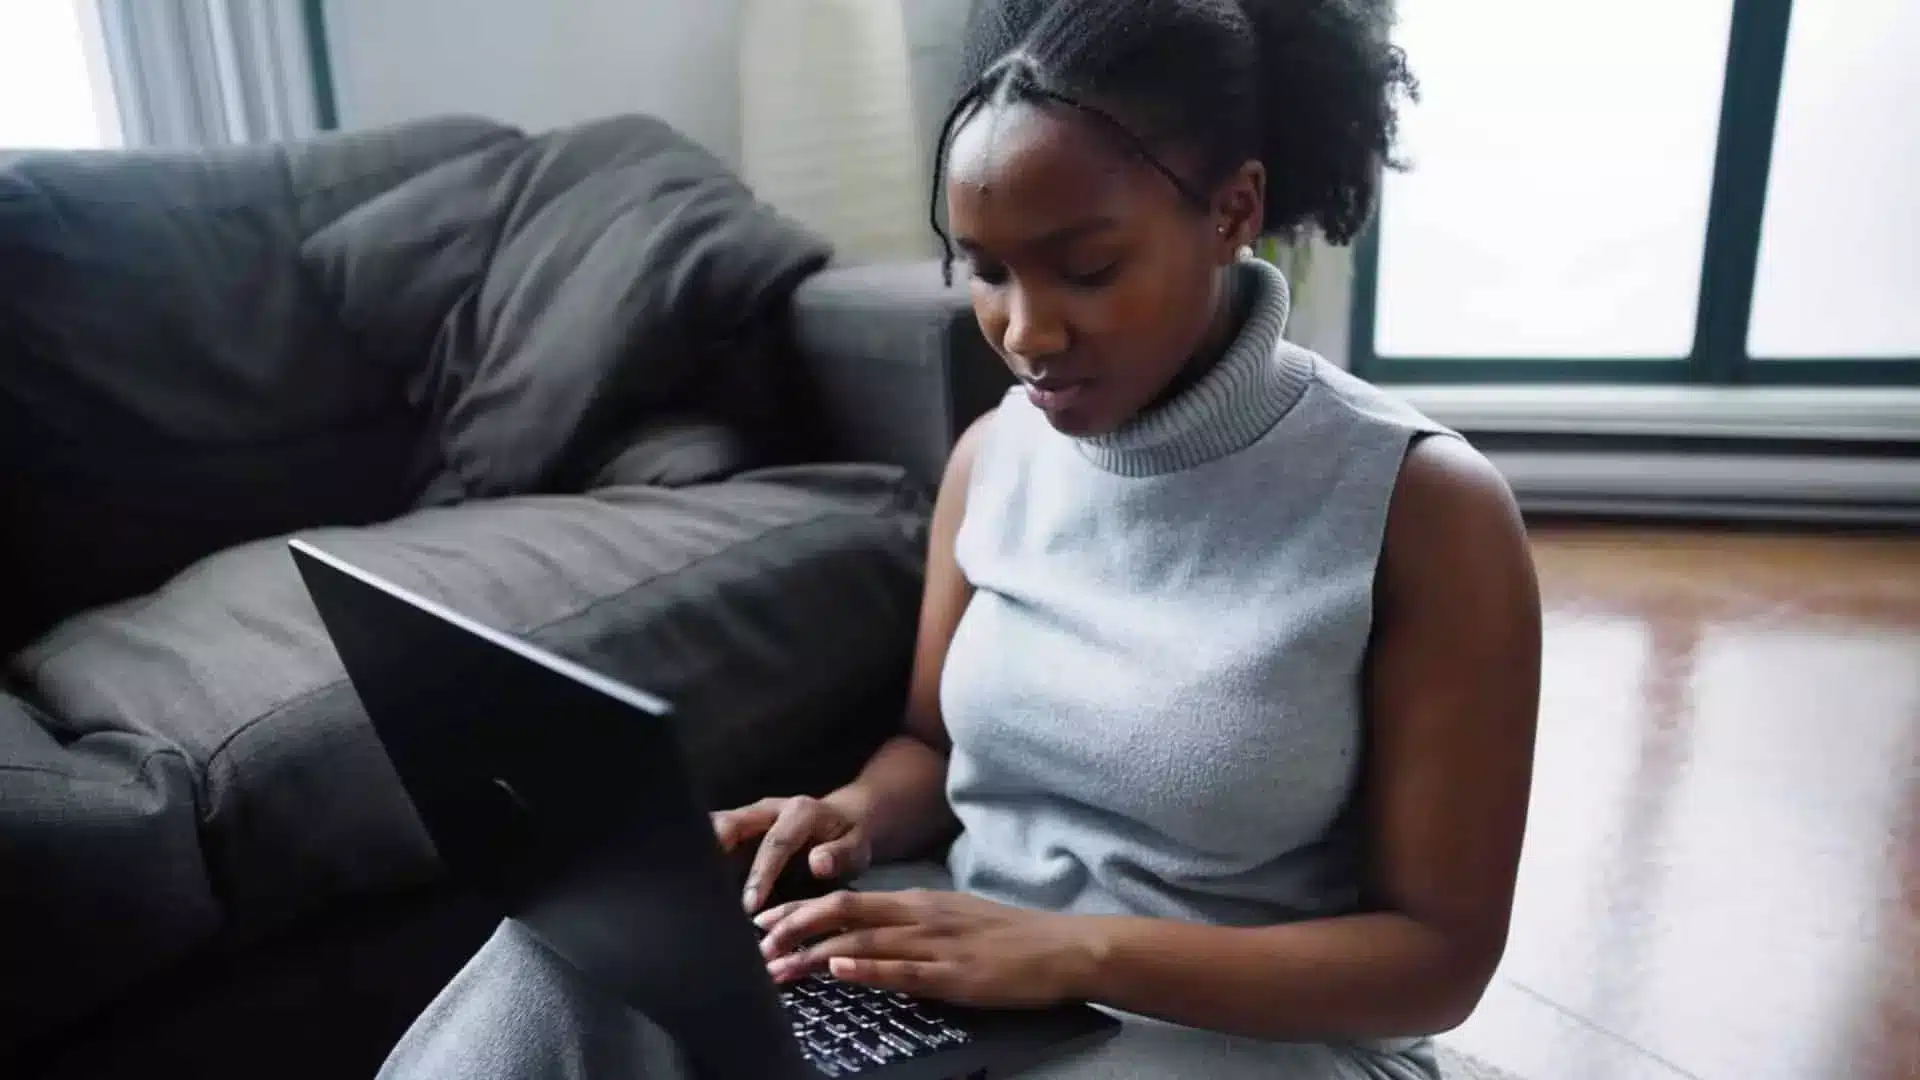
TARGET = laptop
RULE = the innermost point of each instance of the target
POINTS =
(566, 795)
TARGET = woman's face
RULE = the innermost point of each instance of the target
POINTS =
(1091, 277)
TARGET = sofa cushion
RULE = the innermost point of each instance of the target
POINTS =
(590, 278)
(212, 348)
(773, 610)
(100, 870)
(174, 381)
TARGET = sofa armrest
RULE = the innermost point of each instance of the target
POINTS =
(896, 362)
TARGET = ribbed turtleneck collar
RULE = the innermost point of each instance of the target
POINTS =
(1247, 392)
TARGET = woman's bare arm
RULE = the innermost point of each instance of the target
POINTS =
(901, 794)
(1453, 689)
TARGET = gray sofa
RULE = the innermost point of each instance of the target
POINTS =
(581, 386)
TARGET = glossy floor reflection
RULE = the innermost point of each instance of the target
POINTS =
(1722, 870)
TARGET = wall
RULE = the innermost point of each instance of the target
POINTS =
(1322, 302)
(545, 64)
(540, 65)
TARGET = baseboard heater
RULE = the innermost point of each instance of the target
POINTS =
(1825, 488)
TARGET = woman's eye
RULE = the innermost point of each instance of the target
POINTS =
(990, 274)
(1093, 279)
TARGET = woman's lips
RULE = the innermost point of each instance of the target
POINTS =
(1054, 395)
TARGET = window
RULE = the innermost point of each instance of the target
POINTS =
(54, 92)
(1839, 273)
(1642, 191)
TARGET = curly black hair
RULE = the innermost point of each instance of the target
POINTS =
(1310, 88)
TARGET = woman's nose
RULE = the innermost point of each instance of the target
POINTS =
(1034, 330)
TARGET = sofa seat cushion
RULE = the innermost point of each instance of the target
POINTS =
(101, 878)
(769, 609)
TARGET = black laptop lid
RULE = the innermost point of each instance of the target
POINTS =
(509, 755)
(564, 794)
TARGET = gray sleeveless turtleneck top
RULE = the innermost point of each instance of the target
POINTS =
(1154, 696)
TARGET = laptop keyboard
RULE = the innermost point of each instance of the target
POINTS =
(845, 1029)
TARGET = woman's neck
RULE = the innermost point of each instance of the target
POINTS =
(1229, 313)
(1239, 394)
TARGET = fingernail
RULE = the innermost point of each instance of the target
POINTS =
(751, 898)
(823, 863)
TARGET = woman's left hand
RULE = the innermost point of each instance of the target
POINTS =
(942, 945)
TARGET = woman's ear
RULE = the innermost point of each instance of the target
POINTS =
(1239, 209)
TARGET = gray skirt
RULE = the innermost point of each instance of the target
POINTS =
(516, 1012)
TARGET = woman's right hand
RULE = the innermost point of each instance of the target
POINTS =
(834, 840)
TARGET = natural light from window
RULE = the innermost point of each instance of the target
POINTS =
(47, 95)
(1839, 272)
(1562, 163)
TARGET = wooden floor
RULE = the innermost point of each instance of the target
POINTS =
(1722, 872)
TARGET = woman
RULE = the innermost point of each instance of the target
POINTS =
(1227, 664)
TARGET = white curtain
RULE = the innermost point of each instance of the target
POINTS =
(189, 73)
(828, 131)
